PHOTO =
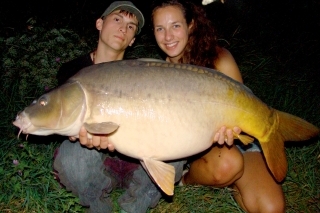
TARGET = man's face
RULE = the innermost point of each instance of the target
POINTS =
(117, 30)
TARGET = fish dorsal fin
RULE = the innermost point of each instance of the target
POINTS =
(162, 173)
(245, 139)
(101, 128)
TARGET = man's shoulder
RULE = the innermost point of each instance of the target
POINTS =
(70, 68)
(84, 60)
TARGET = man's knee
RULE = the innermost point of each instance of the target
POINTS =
(81, 171)
(71, 156)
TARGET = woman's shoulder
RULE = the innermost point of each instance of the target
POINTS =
(226, 64)
(223, 53)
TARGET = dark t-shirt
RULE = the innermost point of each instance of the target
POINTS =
(70, 68)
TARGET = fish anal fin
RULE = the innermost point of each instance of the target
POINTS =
(162, 174)
(101, 128)
(245, 139)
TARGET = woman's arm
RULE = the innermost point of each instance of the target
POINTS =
(226, 64)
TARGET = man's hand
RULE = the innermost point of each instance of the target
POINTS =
(225, 135)
(90, 141)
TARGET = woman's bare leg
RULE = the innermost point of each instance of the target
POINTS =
(257, 190)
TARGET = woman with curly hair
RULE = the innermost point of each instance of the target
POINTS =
(185, 35)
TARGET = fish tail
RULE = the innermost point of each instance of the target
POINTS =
(294, 128)
(288, 128)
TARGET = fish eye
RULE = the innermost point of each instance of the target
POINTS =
(43, 101)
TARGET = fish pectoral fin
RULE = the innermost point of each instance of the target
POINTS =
(245, 139)
(162, 174)
(101, 128)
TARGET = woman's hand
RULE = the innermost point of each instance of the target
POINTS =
(90, 141)
(225, 135)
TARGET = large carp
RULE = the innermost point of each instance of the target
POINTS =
(157, 111)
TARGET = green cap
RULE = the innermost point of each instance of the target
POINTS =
(127, 6)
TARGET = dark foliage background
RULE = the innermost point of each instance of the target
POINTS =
(286, 29)
(280, 21)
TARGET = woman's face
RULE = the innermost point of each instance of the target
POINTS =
(171, 31)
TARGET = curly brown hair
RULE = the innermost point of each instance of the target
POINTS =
(202, 44)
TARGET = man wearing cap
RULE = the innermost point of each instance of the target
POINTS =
(91, 174)
(118, 26)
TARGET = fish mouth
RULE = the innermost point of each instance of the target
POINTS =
(23, 123)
